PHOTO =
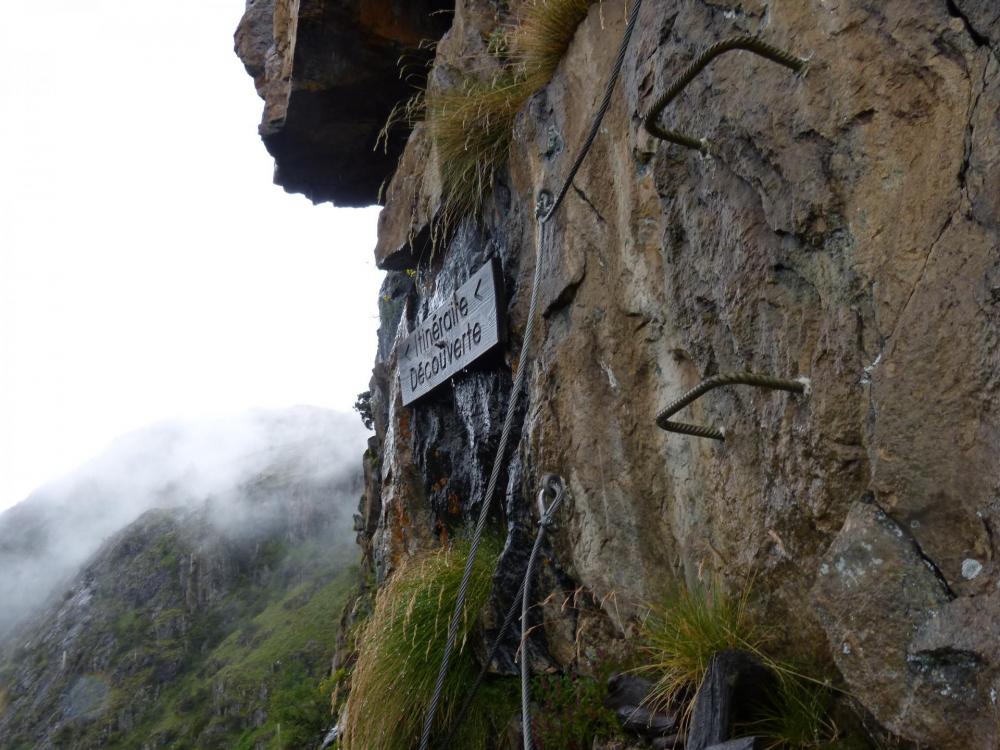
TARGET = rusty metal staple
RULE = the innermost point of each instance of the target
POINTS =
(748, 43)
(743, 378)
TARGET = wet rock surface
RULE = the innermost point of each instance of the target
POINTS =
(845, 229)
(642, 721)
(629, 695)
(627, 690)
(744, 743)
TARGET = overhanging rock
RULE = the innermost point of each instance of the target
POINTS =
(330, 73)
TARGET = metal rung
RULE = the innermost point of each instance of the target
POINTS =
(744, 378)
(748, 43)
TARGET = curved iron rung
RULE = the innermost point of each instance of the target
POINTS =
(748, 43)
(742, 378)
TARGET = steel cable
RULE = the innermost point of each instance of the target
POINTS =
(744, 378)
(602, 110)
(748, 43)
(544, 211)
(546, 517)
(470, 695)
(550, 482)
(515, 393)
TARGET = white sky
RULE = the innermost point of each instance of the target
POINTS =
(148, 267)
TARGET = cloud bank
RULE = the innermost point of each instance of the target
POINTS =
(221, 463)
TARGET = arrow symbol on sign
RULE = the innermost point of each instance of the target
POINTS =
(476, 293)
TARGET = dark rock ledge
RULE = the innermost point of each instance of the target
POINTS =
(329, 72)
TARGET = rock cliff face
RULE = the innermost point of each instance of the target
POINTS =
(846, 229)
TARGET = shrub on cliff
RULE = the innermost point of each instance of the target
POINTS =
(685, 629)
(400, 650)
(472, 123)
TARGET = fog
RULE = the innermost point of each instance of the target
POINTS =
(149, 268)
(218, 463)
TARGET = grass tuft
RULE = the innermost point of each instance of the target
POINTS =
(795, 714)
(472, 123)
(686, 629)
(401, 649)
(542, 34)
(683, 632)
(472, 128)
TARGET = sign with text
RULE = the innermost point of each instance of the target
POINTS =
(452, 336)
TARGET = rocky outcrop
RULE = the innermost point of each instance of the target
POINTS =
(330, 74)
(846, 228)
(882, 603)
(925, 662)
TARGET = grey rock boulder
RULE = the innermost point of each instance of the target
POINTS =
(909, 652)
(743, 743)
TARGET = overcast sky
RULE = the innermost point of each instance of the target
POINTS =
(148, 268)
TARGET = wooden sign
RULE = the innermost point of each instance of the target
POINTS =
(452, 336)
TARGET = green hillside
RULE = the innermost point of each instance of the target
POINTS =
(180, 635)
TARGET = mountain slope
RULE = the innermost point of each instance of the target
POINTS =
(209, 624)
(45, 539)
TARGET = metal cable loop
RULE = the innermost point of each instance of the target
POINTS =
(487, 499)
(550, 483)
(743, 378)
(748, 43)
(544, 524)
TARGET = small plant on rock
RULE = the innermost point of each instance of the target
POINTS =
(471, 126)
(363, 406)
(472, 123)
(571, 712)
(683, 632)
(539, 38)
(688, 627)
(400, 650)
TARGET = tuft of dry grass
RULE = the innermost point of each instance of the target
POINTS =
(472, 128)
(685, 629)
(680, 636)
(401, 647)
(542, 33)
(472, 124)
